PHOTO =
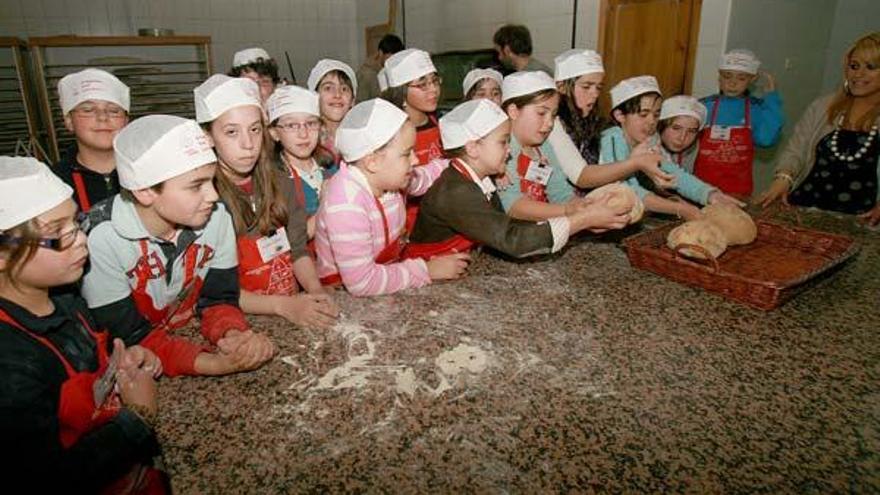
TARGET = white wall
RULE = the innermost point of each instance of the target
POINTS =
(307, 29)
(438, 26)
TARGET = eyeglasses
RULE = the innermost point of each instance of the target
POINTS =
(310, 126)
(63, 242)
(92, 112)
(427, 84)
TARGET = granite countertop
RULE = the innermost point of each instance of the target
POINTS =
(571, 373)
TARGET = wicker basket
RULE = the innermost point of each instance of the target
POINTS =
(763, 274)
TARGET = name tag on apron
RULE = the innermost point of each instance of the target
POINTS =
(273, 245)
(720, 133)
(102, 386)
(539, 172)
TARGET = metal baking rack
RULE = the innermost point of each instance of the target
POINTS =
(19, 123)
(161, 72)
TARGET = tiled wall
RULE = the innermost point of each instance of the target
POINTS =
(307, 29)
(470, 24)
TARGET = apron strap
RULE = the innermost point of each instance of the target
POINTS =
(5, 317)
(384, 221)
(81, 193)
(714, 111)
(748, 112)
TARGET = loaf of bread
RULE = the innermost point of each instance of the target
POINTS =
(620, 195)
(701, 233)
(737, 226)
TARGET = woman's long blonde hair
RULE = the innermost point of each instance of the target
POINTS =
(869, 45)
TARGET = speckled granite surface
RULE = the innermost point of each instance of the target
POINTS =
(573, 374)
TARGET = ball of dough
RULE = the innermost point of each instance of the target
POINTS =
(737, 226)
(701, 233)
(621, 195)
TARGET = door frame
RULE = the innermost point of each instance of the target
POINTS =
(693, 37)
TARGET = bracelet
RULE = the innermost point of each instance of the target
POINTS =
(144, 413)
(786, 177)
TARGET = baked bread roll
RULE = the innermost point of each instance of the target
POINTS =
(621, 195)
(701, 233)
(737, 226)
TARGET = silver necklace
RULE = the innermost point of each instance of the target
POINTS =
(861, 151)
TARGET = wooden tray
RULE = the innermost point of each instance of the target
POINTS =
(763, 274)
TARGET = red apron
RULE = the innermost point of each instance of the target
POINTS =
(176, 314)
(274, 277)
(391, 253)
(530, 189)
(78, 414)
(81, 194)
(428, 147)
(455, 244)
(727, 164)
(77, 411)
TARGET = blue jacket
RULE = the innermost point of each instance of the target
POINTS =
(766, 113)
(614, 148)
(559, 190)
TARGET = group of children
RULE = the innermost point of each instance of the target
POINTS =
(275, 195)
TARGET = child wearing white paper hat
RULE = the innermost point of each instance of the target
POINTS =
(256, 64)
(682, 118)
(575, 137)
(636, 110)
(95, 107)
(483, 83)
(336, 85)
(462, 209)
(163, 250)
(295, 125)
(414, 86)
(539, 188)
(55, 404)
(361, 221)
(739, 122)
(270, 225)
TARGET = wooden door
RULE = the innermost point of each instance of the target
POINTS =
(649, 37)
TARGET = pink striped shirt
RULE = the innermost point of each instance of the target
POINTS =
(350, 234)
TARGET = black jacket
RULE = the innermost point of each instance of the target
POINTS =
(98, 186)
(31, 376)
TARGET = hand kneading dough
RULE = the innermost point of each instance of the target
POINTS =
(737, 225)
(701, 233)
(621, 195)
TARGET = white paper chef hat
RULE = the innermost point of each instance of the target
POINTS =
(27, 188)
(408, 65)
(632, 87)
(470, 121)
(328, 65)
(367, 127)
(577, 62)
(290, 99)
(91, 84)
(382, 79)
(155, 148)
(249, 56)
(525, 83)
(683, 105)
(477, 75)
(221, 92)
(740, 60)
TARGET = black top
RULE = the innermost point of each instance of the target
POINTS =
(836, 184)
(30, 390)
(98, 186)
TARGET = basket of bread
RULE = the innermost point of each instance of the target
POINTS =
(759, 263)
